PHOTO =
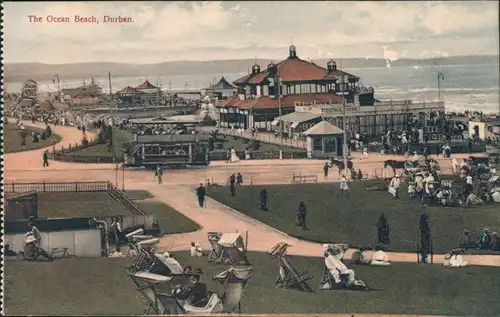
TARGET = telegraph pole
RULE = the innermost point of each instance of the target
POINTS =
(158, 86)
(343, 92)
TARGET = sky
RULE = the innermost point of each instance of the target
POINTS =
(175, 31)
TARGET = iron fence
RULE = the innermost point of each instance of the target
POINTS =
(259, 155)
(77, 186)
(64, 154)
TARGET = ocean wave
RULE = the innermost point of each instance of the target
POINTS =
(453, 89)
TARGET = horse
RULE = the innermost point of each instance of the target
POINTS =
(395, 165)
(340, 164)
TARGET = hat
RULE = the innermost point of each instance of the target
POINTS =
(466, 231)
(485, 230)
(166, 254)
(494, 234)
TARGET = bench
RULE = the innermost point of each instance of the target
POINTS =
(299, 179)
(63, 251)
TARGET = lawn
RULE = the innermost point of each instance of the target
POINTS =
(333, 217)
(98, 204)
(403, 288)
(12, 139)
(79, 204)
(170, 220)
(119, 138)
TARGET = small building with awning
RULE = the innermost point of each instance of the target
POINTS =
(324, 140)
(295, 123)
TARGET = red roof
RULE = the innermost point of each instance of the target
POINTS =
(146, 85)
(242, 79)
(128, 90)
(294, 69)
(288, 101)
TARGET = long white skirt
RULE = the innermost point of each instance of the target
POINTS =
(343, 186)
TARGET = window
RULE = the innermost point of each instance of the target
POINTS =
(317, 144)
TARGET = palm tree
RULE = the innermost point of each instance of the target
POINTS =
(214, 135)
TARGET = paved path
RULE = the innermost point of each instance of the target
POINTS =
(177, 191)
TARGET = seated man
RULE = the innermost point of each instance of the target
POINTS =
(8, 252)
(485, 240)
(495, 242)
(198, 295)
(32, 251)
(337, 268)
(380, 257)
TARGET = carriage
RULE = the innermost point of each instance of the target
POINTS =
(413, 168)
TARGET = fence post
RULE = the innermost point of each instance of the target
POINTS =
(44, 186)
(76, 186)
(13, 184)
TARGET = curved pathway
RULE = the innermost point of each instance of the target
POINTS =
(178, 186)
(32, 160)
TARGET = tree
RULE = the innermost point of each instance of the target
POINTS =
(214, 135)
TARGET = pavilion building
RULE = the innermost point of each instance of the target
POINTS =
(306, 94)
(221, 90)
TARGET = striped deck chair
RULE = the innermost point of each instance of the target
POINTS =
(216, 253)
(288, 276)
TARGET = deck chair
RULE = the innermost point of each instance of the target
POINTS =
(232, 250)
(288, 277)
(213, 238)
(233, 282)
(159, 301)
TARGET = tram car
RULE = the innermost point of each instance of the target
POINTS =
(166, 151)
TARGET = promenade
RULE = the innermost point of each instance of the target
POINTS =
(178, 186)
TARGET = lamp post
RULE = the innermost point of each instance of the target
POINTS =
(343, 93)
(440, 76)
(278, 82)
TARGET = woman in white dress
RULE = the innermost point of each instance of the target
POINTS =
(234, 157)
(343, 184)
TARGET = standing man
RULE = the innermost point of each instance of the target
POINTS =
(201, 192)
(383, 230)
(425, 237)
(395, 184)
(263, 199)
(302, 216)
(117, 230)
(36, 233)
(232, 182)
(46, 158)
(159, 174)
(325, 169)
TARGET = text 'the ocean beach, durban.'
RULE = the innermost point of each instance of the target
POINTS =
(79, 19)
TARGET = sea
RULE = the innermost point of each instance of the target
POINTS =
(464, 87)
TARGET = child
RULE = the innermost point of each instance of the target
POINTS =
(343, 184)
(412, 189)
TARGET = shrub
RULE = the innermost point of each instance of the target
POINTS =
(255, 145)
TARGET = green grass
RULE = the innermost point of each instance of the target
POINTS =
(119, 138)
(56, 288)
(79, 204)
(333, 217)
(98, 204)
(170, 220)
(12, 139)
(138, 194)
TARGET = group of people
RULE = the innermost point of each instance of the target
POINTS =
(486, 241)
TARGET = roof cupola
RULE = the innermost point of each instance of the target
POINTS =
(292, 51)
(331, 65)
(255, 69)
